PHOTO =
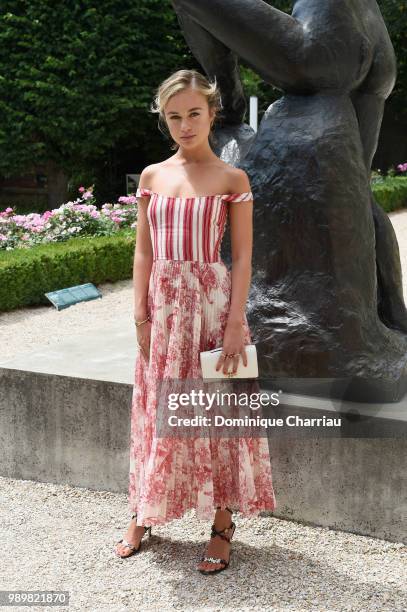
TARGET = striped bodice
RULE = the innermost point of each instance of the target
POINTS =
(188, 228)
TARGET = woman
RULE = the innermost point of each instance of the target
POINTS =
(187, 301)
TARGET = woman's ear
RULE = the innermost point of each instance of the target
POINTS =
(212, 116)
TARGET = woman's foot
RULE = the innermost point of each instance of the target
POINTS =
(133, 537)
(218, 548)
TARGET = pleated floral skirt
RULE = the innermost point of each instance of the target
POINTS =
(189, 302)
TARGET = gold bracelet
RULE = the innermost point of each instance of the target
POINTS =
(138, 323)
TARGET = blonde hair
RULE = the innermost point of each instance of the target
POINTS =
(180, 81)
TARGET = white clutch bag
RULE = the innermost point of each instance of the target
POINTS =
(209, 359)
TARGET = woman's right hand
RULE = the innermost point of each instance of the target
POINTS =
(143, 333)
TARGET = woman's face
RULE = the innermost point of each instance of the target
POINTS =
(188, 118)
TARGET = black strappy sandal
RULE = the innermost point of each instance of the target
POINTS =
(128, 545)
(221, 533)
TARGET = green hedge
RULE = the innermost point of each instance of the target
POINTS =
(391, 193)
(26, 274)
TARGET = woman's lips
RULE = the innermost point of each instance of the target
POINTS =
(187, 137)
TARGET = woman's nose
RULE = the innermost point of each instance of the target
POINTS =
(185, 125)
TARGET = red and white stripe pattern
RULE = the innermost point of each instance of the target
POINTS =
(188, 228)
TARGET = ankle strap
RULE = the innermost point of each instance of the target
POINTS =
(220, 532)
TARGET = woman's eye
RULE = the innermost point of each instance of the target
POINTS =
(192, 115)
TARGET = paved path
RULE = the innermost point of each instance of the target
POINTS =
(26, 329)
(399, 222)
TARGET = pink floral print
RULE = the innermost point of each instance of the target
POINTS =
(188, 302)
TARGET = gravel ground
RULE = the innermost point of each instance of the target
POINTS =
(63, 538)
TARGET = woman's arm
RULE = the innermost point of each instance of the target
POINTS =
(143, 254)
(241, 231)
(241, 234)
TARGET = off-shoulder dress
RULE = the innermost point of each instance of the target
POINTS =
(188, 302)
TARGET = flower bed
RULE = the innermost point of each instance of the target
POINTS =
(72, 219)
(82, 218)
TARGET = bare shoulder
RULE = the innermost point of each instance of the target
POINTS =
(147, 176)
(238, 180)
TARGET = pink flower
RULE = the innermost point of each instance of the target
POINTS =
(87, 195)
(8, 210)
(81, 189)
(128, 199)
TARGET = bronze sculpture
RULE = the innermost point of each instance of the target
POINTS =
(327, 298)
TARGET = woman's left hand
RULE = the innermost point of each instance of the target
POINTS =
(233, 344)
